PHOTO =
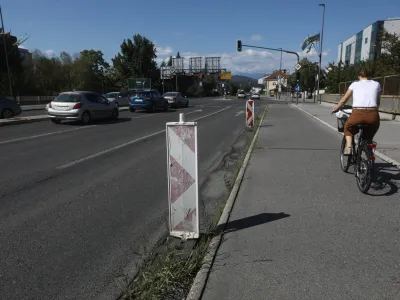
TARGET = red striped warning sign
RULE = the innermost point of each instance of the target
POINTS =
(182, 179)
(250, 113)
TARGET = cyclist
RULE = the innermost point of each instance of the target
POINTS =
(366, 98)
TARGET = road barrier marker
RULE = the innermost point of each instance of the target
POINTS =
(182, 171)
(250, 113)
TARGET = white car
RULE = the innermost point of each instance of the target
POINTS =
(81, 106)
(241, 95)
(120, 99)
(255, 96)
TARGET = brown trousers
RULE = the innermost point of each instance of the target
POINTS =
(358, 117)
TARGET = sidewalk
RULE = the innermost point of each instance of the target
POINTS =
(388, 136)
(300, 229)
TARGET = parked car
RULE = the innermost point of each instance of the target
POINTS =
(255, 96)
(176, 99)
(121, 99)
(81, 106)
(241, 95)
(149, 100)
(9, 108)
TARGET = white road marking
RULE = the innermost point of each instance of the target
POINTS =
(198, 110)
(45, 134)
(75, 162)
(239, 113)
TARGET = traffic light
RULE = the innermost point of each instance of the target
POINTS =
(239, 45)
(297, 77)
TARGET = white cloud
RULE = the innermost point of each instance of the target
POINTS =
(250, 61)
(256, 37)
(49, 52)
(161, 51)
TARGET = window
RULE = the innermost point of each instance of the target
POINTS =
(68, 98)
(366, 40)
(91, 97)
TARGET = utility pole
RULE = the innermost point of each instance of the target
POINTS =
(6, 52)
(320, 51)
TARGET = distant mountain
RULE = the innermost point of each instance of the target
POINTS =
(240, 79)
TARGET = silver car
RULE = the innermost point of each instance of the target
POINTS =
(176, 99)
(81, 106)
(120, 99)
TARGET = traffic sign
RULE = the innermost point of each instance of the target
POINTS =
(297, 88)
(297, 67)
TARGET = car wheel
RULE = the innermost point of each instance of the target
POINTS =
(7, 113)
(153, 108)
(131, 109)
(86, 118)
(165, 106)
(55, 121)
(187, 104)
(117, 104)
(115, 114)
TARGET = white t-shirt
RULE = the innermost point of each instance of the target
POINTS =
(365, 93)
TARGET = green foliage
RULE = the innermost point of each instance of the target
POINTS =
(308, 74)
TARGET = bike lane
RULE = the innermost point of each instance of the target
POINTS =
(300, 228)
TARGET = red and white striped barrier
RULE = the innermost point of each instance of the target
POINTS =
(183, 194)
(250, 113)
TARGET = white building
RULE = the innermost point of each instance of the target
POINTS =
(366, 45)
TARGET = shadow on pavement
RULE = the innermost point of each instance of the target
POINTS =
(387, 180)
(251, 222)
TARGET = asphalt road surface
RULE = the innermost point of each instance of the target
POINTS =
(77, 201)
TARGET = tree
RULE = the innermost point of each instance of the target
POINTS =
(91, 69)
(308, 74)
(136, 59)
(388, 63)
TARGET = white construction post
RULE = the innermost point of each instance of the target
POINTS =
(183, 188)
(250, 114)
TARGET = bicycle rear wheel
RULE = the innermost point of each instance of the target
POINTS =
(364, 168)
(345, 160)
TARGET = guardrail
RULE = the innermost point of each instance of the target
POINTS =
(389, 104)
(32, 100)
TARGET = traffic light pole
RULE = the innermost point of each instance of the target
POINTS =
(277, 49)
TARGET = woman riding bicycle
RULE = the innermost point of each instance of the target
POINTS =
(366, 98)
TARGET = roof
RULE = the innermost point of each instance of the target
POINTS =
(275, 74)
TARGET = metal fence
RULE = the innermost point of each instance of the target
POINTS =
(390, 97)
(390, 85)
(33, 100)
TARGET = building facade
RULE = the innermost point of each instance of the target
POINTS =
(366, 44)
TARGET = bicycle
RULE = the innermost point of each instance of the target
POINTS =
(362, 157)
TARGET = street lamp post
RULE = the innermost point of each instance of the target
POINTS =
(320, 51)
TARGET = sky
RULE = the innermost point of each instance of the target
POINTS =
(194, 28)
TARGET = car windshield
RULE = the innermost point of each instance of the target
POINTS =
(111, 95)
(68, 98)
(140, 94)
(170, 94)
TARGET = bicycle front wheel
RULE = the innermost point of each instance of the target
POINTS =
(344, 159)
(364, 168)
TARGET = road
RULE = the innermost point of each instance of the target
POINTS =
(77, 202)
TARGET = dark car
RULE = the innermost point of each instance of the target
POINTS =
(176, 99)
(9, 108)
(149, 100)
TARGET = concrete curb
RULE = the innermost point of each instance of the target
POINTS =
(377, 153)
(37, 119)
(200, 281)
